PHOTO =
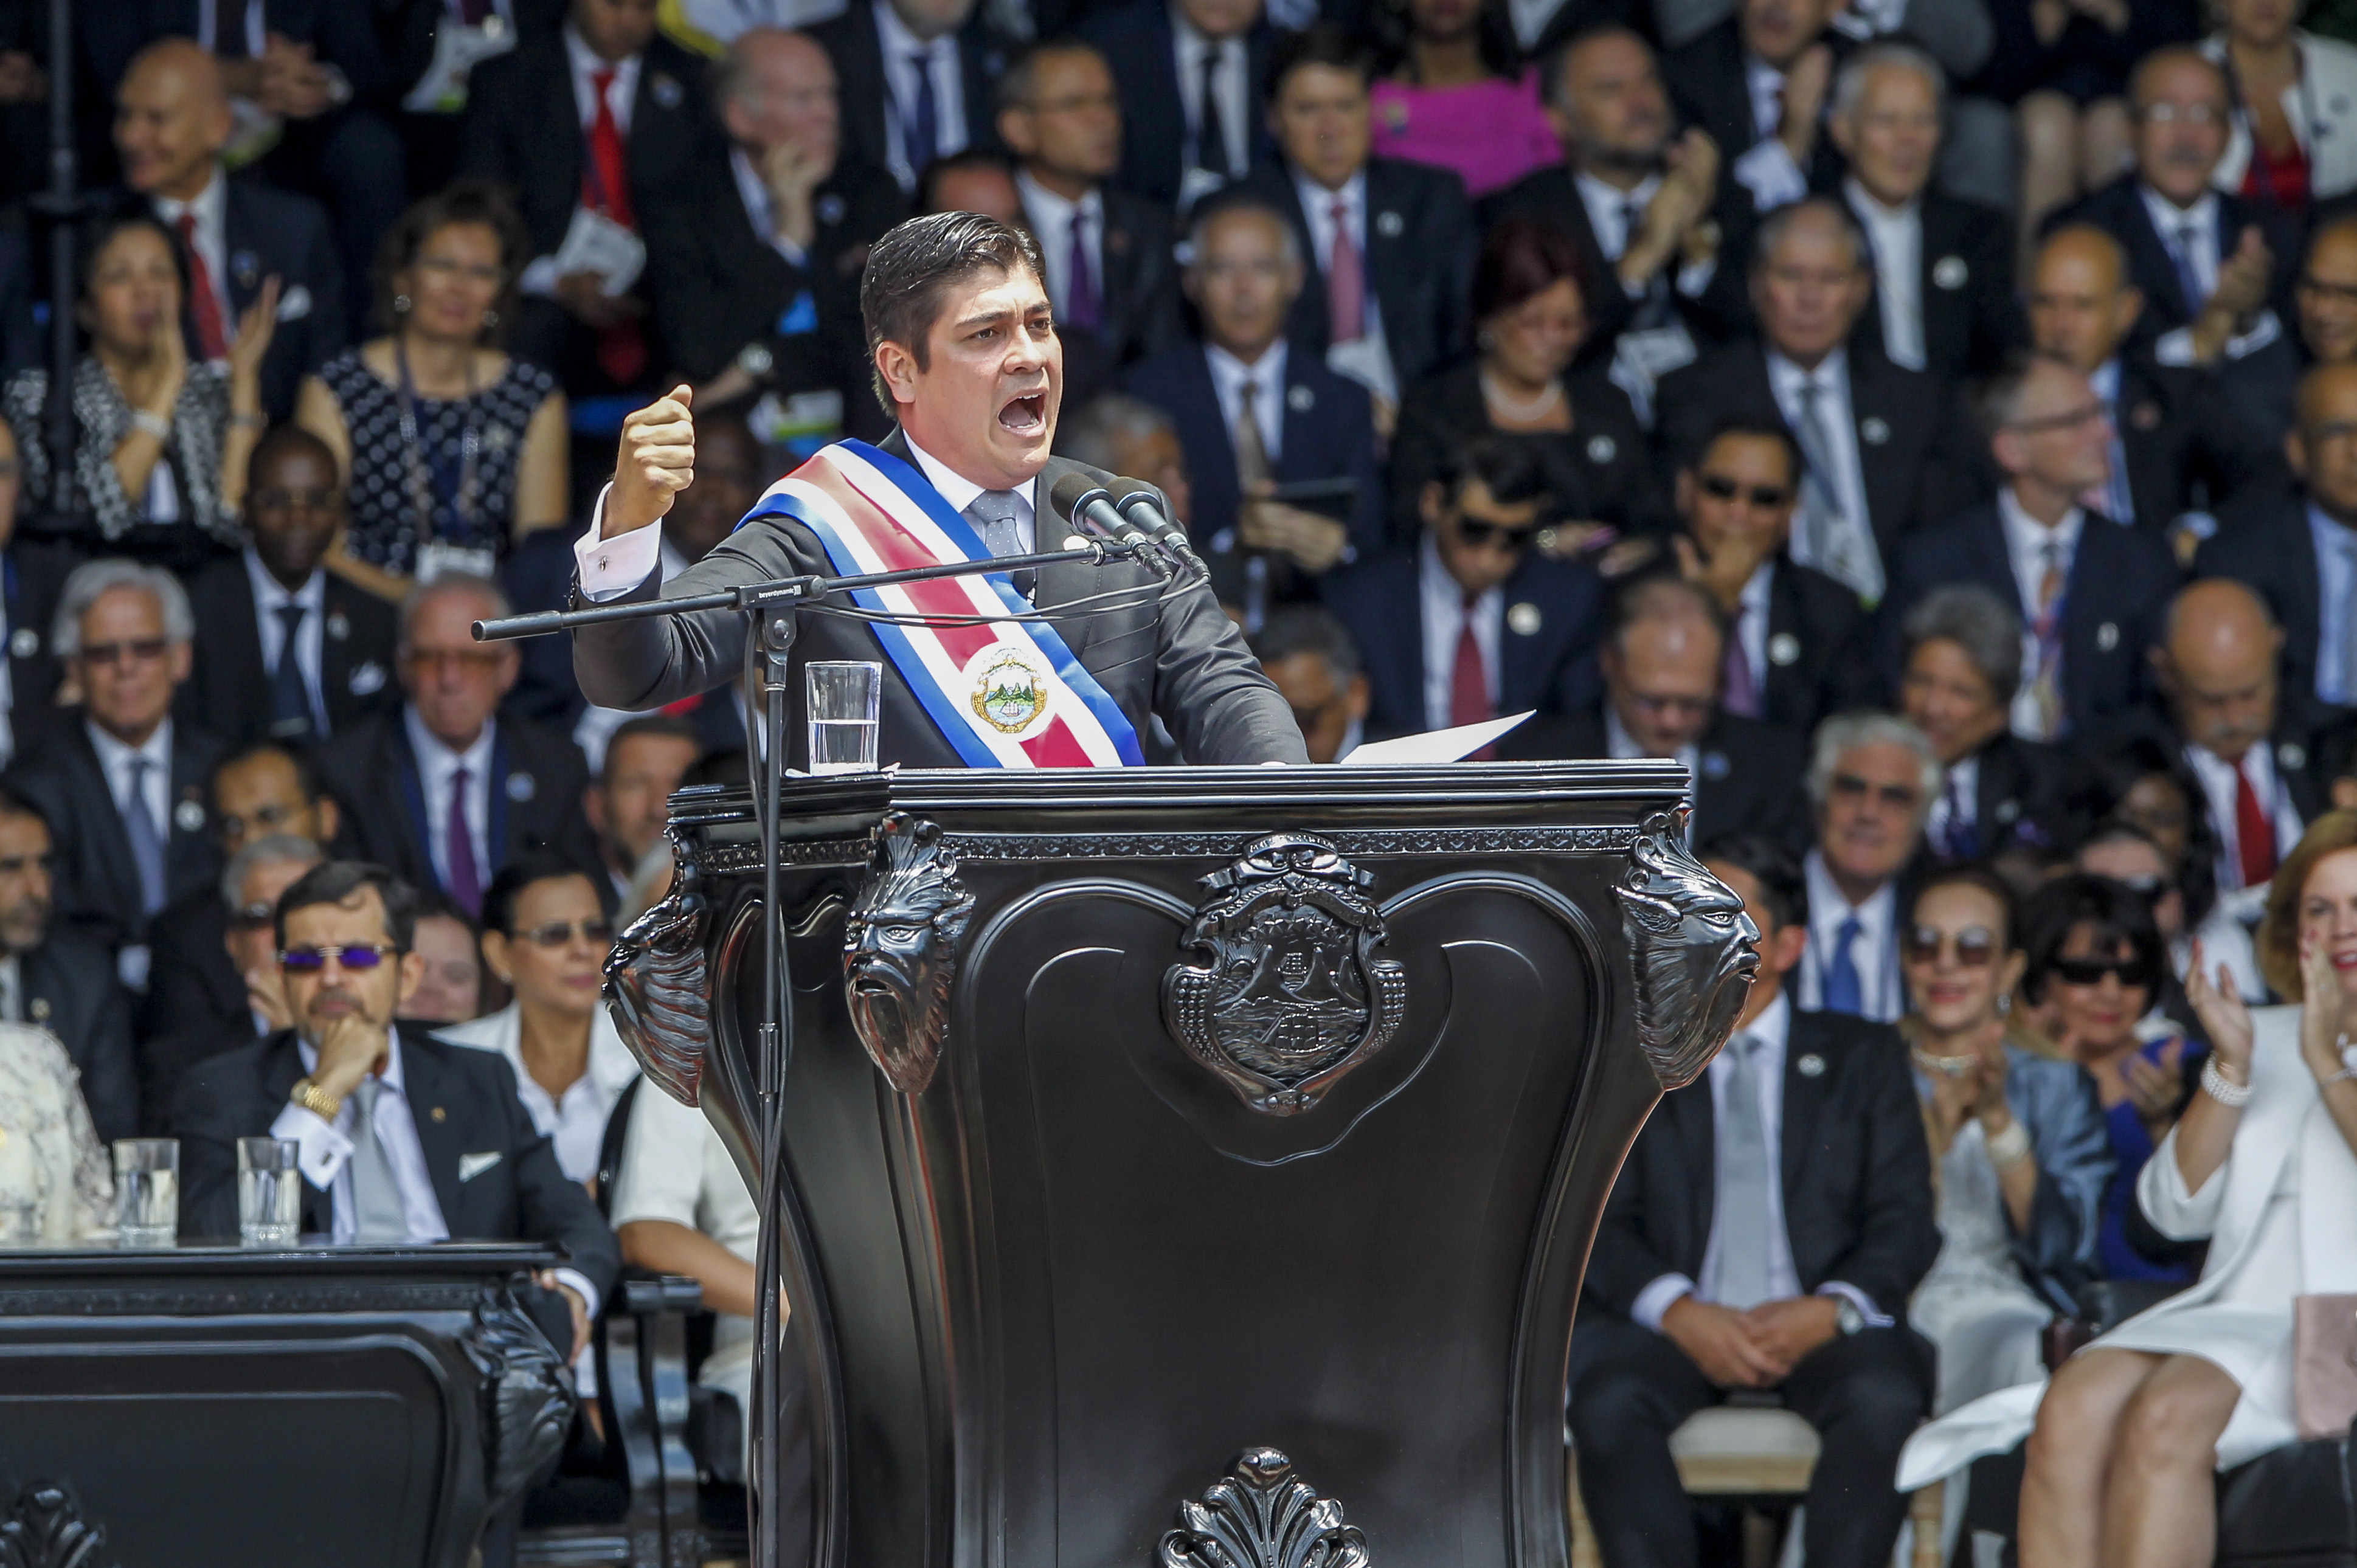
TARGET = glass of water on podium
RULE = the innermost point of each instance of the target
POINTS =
(146, 1191)
(845, 698)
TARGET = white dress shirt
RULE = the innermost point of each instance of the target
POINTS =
(902, 48)
(2336, 603)
(269, 598)
(210, 207)
(2218, 778)
(2169, 221)
(2025, 541)
(11, 989)
(1621, 746)
(675, 1169)
(1444, 616)
(1266, 373)
(1895, 235)
(1608, 217)
(1051, 217)
(754, 192)
(437, 768)
(959, 491)
(1229, 86)
(1766, 169)
(1875, 951)
(115, 760)
(1848, 475)
(1751, 622)
(575, 1121)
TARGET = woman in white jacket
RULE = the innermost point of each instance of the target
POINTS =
(2123, 1439)
(2294, 137)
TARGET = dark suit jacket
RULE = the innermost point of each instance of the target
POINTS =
(537, 777)
(2019, 793)
(2118, 209)
(1137, 41)
(2186, 445)
(1139, 308)
(1181, 657)
(97, 879)
(229, 693)
(1748, 770)
(465, 1104)
(1418, 262)
(337, 33)
(1551, 666)
(864, 90)
(70, 990)
(1971, 316)
(1857, 1175)
(267, 232)
(195, 1002)
(33, 573)
(2265, 541)
(1706, 81)
(2113, 605)
(1818, 620)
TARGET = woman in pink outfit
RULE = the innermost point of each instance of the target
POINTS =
(1456, 97)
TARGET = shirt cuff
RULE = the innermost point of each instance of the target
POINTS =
(1658, 1298)
(580, 1284)
(1875, 1316)
(1695, 276)
(1768, 173)
(612, 568)
(539, 276)
(795, 255)
(320, 1151)
(2176, 347)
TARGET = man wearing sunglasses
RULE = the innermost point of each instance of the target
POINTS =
(404, 1139)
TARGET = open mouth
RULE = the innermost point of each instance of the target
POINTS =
(1026, 416)
(2345, 961)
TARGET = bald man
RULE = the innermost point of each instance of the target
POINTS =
(2327, 294)
(2298, 546)
(755, 262)
(2177, 445)
(2254, 754)
(171, 121)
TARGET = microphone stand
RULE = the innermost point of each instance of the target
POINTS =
(774, 610)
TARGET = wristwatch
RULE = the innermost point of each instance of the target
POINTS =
(1846, 1315)
(323, 1105)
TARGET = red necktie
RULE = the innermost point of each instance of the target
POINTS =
(2255, 832)
(1346, 282)
(211, 336)
(606, 188)
(1469, 685)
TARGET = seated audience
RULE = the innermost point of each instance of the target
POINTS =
(55, 1179)
(1525, 385)
(1871, 780)
(916, 74)
(1192, 76)
(1944, 297)
(1757, 82)
(451, 448)
(628, 805)
(1310, 655)
(1884, 452)
(450, 988)
(1257, 417)
(1959, 666)
(58, 980)
(1473, 623)
(1455, 94)
(2293, 139)
(2184, 899)
(546, 935)
(1727, 1265)
(291, 652)
(354, 1089)
(32, 574)
(449, 789)
(160, 444)
(253, 257)
(2125, 1441)
(2326, 295)
(2089, 591)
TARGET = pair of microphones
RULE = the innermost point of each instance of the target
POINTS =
(1127, 513)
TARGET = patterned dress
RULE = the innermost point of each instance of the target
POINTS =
(52, 1167)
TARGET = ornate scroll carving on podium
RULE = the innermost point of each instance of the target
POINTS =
(1262, 1516)
(1693, 948)
(659, 985)
(900, 949)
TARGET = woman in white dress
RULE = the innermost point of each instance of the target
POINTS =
(2264, 1164)
(54, 1186)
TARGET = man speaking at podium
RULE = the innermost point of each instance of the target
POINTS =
(965, 355)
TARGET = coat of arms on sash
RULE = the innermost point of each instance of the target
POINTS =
(1010, 692)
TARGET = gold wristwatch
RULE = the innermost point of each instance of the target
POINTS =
(315, 1100)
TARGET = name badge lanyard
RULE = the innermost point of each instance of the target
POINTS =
(435, 477)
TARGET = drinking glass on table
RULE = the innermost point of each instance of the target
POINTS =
(269, 1192)
(146, 1191)
(844, 696)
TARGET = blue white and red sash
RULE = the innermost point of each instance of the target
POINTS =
(1005, 693)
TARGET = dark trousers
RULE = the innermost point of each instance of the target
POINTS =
(1631, 1388)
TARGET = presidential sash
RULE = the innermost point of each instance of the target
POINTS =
(1005, 693)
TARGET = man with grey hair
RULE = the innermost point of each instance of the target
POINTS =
(1872, 778)
(123, 791)
(449, 789)
(1958, 674)
(1127, 435)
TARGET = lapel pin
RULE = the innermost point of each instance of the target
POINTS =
(521, 786)
(2006, 811)
(246, 267)
(1950, 272)
(1389, 225)
(338, 628)
(367, 680)
(830, 209)
(439, 1114)
(40, 1009)
(23, 642)
(1523, 619)
(2107, 636)
(1873, 430)
(1396, 114)
(1783, 648)
(188, 817)
(1715, 765)
(1300, 400)
(1602, 450)
(1811, 1066)
(666, 89)
(2292, 755)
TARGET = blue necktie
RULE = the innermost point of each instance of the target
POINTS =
(1844, 994)
(290, 695)
(146, 838)
(2188, 275)
(921, 131)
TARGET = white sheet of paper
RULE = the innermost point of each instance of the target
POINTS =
(596, 244)
(1433, 745)
(456, 51)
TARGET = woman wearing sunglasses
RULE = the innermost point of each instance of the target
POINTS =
(2097, 962)
(2017, 1145)
(2125, 1439)
(545, 934)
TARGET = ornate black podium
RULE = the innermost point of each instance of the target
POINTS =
(1194, 1167)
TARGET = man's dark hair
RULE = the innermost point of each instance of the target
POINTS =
(507, 888)
(433, 903)
(666, 727)
(941, 170)
(13, 804)
(460, 201)
(307, 774)
(1323, 44)
(1776, 224)
(1511, 471)
(1309, 629)
(285, 440)
(1022, 77)
(1752, 427)
(1784, 889)
(918, 260)
(2114, 914)
(1551, 69)
(333, 881)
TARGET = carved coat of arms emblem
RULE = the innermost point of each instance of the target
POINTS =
(1288, 995)
(1693, 948)
(1010, 692)
(900, 949)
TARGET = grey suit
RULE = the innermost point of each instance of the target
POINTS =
(1181, 658)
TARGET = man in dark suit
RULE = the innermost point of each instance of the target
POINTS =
(1192, 75)
(2178, 445)
(290, 651)
(1757, 83)
(1798, 643)
(1390, 242)
(1313, 659)
(1944, 297)
(965, 349)
(2089, 591)
(1959, 666)
(1110, 273)
(1255, 415)
(600, 119)
(172, 120)
(1763, 1236)
(1520, 629)
(448, 790)
(404, 1139)
(60, 982)
(123, 791)
(32, 574)
(918, 75)
(2298, 547)
(754, 259)
(1884, 454)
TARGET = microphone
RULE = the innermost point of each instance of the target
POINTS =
(1080, 503)
(1141, 505)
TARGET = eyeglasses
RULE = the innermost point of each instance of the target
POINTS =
(1482, 535)
(254, 917)
(1720, 488)
(2183, 114)
(2133, 972)
(359, 958)
(142, 651)
(1975, 946)
(557, 933)
(1850, 787)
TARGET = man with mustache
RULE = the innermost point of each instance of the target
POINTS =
(963, 344)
